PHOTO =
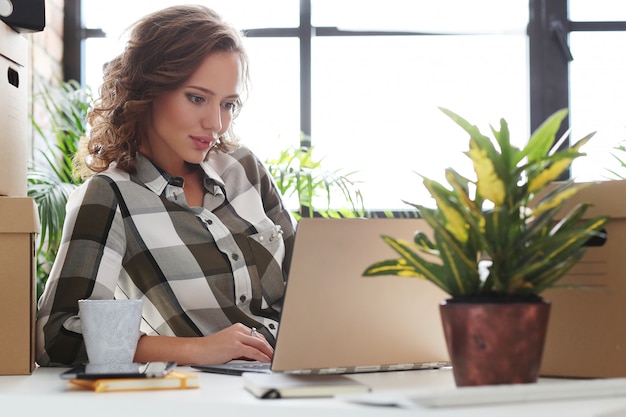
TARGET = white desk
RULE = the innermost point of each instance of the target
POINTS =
(46, 395)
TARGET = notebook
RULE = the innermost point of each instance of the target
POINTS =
(282, 385)
(173, 380)
(334, 320)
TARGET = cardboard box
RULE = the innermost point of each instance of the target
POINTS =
(587, 328)
(19, 221)
(14, 120)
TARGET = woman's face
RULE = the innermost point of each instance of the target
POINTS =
(186, 122)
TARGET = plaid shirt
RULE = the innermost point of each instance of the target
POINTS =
(197, 269)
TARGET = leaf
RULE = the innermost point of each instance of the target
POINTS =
(558, 163)
(557, 198)
(472, 130)
(508, 152)
(454, 218)
(423, 243)
(490, 185)
(410, 264)
(460, 271)
(542, 138)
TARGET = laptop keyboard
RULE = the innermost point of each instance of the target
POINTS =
(257, 366)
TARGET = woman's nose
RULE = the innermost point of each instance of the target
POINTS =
(213, 119)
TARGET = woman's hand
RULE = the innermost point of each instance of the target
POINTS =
(234, 342)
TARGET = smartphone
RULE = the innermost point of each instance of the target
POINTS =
(116, 370)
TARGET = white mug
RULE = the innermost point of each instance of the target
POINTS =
(110, 329)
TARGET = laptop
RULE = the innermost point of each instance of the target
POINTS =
(334, 320)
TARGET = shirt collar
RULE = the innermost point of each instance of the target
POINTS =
(157, 180)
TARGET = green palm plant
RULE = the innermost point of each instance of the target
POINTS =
(50, 177)
(619, 154)
(510, 217)
(297, 173)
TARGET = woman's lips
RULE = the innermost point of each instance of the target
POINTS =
(203, 142)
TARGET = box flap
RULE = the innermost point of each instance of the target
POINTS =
(608, 199)
(19, 215)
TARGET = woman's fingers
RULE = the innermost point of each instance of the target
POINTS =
(258, 341)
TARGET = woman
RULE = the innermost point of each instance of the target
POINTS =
(174, 210)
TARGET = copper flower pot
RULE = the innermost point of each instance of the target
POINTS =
(496, 342)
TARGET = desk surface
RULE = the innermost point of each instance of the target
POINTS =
(45, 394)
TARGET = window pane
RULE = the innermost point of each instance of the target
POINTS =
(270, 119)
(451, 16)
(375, 105)
(98, 51)
(244, 14)
(597, 10)
(597, 91)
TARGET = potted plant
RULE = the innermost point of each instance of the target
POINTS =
(317, 190)
(507, 222)
(59, 124)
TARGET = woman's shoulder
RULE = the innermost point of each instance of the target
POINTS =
(241, 151)
(100, 182)
(112, 173)
(242, 157)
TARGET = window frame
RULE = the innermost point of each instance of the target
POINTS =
(549, 56)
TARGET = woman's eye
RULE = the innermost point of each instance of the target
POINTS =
(230, 106)
(195, 99)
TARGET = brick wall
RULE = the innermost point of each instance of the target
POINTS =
(46, 55)
(47, 45)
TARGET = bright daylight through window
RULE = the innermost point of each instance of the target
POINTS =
(374, 99)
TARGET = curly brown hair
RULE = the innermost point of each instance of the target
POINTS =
(164, 49)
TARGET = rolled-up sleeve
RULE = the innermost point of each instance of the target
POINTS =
(87, 265)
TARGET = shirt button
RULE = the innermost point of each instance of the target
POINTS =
(271, 326)
(209, 221)
(235, 256)
(242, 298)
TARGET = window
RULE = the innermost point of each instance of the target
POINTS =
(367, 84)
(375, 104)
(598, 99)
(597, 82)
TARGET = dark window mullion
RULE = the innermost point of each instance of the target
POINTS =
(73, 53)
(549, 65)
(74, 41)
(306, 35)
(597, 26)
(334, 31)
